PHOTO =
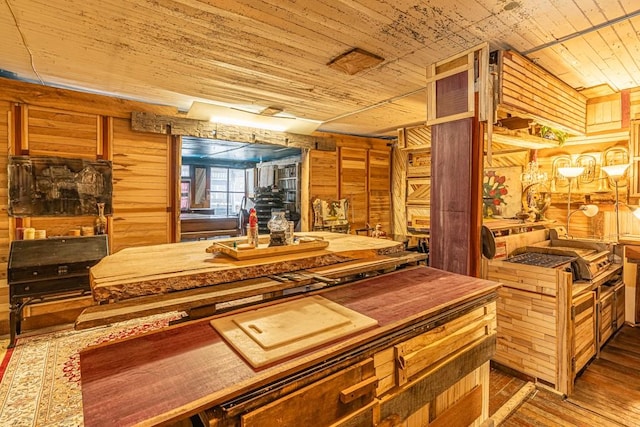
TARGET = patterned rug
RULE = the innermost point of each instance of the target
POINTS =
(41, 378)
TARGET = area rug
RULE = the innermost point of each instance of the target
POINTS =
(41, 381)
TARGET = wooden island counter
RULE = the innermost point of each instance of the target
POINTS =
(383, 345)
(427, 358)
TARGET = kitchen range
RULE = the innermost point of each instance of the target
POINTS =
(561, 300)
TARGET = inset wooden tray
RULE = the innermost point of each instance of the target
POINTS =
(264, 250)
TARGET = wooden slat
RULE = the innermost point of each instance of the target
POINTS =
(141, 188)
(527, 333)
(530, 89)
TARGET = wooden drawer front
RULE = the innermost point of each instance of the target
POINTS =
(584, 326)
(416, 355)
(322, 402)
(606, 317)
(385, 366)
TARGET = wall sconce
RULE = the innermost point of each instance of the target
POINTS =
(616, 172)
(570, 173)
(588, 210)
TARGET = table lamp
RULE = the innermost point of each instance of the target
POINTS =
(570, 173)
(616, 172)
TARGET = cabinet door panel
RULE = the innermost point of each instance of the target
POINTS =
(331, 398)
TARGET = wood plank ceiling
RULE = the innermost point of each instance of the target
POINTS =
(255, 54)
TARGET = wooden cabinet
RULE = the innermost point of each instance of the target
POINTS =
(606, 323)
(437, 375)
(619, 299)
(610, 311)
(334, 397)
(583, 316)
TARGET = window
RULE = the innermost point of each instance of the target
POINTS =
(227, 188)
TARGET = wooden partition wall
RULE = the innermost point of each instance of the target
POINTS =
(359, 170)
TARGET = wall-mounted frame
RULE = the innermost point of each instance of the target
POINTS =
(418, 191)
(56, 186)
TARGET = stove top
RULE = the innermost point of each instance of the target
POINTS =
(541, 259)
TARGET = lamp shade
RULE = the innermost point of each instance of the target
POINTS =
(615, 171)
(571, 172)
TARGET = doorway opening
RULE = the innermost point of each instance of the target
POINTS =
(221, 180)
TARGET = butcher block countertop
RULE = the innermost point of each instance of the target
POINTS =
(171, 374)
(151, 270)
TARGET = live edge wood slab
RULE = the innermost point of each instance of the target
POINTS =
(182, 370)
(160, 269)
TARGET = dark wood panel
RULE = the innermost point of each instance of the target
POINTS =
(451, 196)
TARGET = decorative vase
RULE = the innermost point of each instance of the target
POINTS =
(277, 226)
(101, 220)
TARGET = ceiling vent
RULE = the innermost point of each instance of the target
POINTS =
(355, 61)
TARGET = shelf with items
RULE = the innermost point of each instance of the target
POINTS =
(289, 184)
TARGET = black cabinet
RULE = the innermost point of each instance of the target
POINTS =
(47, 269)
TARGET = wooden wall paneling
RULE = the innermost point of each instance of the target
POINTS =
(418, 137)
(379, 184)
(140, 187)
(634, 103)
(323, 177)
(528, 89)
(634, 155)
(416, 187)
(63, 133)
(604, 113)
(174, 164)
(21, 139)
(70, 100)
(353, 184)
(53, 132)
(6, 119)
(398, 190)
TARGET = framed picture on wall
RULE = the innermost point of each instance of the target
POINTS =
(501, 192)
(56, 186)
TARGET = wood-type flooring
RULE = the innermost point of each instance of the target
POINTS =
(607, 393)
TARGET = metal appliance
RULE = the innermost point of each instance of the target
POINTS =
(587, 260)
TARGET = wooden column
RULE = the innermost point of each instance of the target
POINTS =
(455, 224)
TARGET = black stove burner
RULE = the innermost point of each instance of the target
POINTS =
(540, 259)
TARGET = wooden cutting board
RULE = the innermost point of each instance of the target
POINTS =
(269, 334)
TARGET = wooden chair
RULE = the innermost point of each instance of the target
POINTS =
(331, 215)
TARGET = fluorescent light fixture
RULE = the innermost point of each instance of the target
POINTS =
(571, 172)
(636, 213)
(279, 122)
(248, 123)
(615, 171)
